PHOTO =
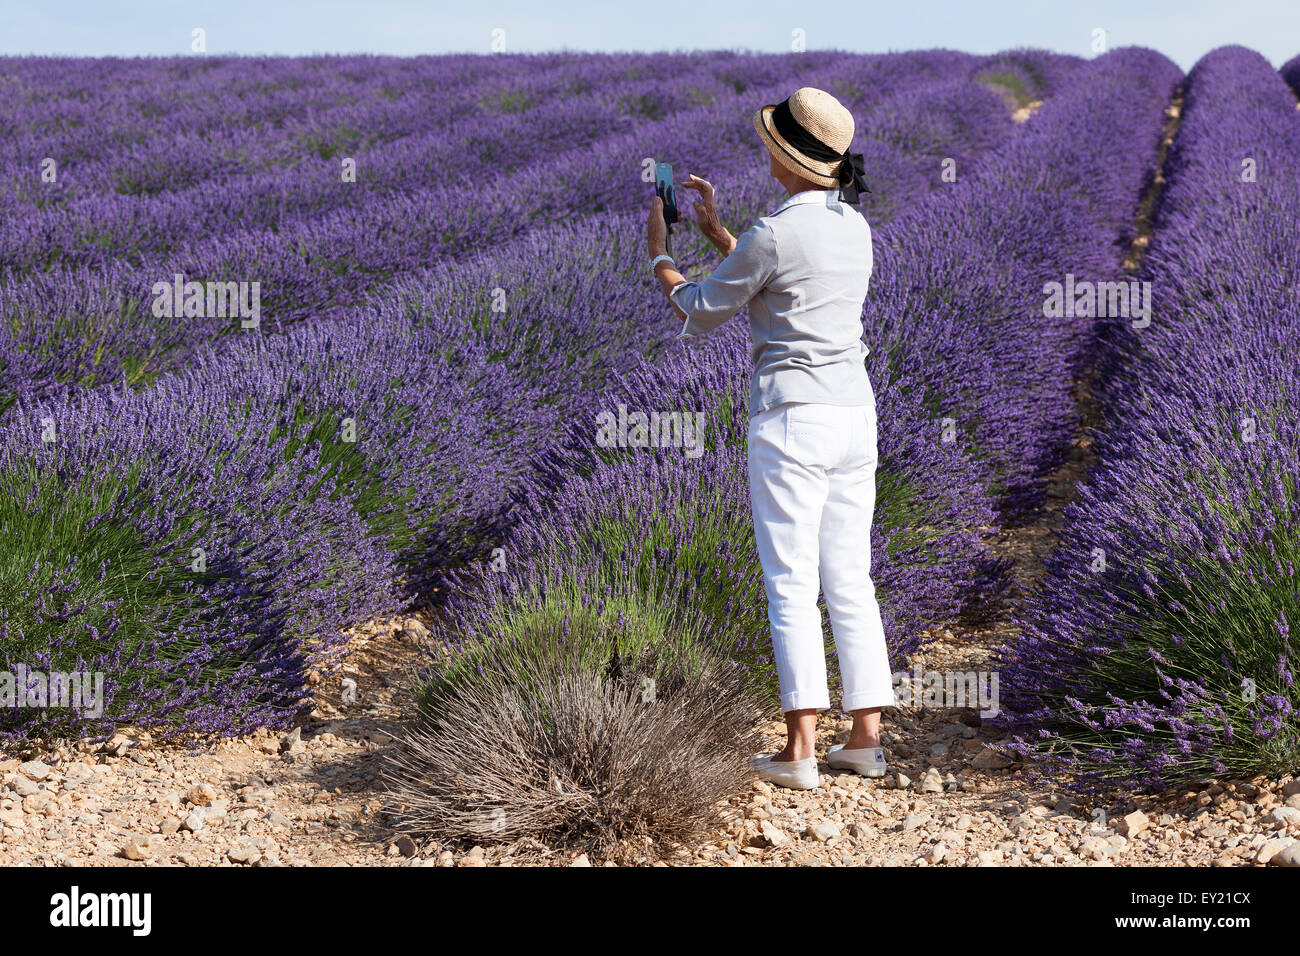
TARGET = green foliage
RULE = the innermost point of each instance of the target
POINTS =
(631, 635)
(1010, 85)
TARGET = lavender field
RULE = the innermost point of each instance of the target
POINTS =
(292, 345)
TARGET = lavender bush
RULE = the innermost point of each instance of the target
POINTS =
(1291, 73)
(322, 474)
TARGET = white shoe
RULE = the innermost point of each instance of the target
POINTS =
(868, 761)
(794, 774)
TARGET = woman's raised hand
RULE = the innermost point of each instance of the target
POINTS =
(706, 214)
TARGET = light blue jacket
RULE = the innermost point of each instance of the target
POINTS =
(803, 271)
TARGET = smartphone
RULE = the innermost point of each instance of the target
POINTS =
(665, 190)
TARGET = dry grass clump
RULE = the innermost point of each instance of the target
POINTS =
(610, 731)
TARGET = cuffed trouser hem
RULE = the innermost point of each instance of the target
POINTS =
(804, 702)
(865, 701)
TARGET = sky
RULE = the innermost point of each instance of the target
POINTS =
(1182, 30)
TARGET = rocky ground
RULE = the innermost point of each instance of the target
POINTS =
(310, 797)
(978, 819)
(316, 797)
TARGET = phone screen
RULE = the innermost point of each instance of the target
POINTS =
(666, 191)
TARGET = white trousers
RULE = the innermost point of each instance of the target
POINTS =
(812, 474)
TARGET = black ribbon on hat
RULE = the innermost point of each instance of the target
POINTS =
(852, 171)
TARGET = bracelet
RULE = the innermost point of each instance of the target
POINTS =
(654, 263)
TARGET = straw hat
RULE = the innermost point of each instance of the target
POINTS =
(808, 134)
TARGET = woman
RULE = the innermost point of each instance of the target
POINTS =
(803, 272)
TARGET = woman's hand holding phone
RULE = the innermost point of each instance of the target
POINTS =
(656, 230)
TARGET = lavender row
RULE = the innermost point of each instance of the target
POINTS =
(108, 225)
(137, 194)
(94, 323)
(205, 542)
(1158, 646)
(268, 112)
(985, 349)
